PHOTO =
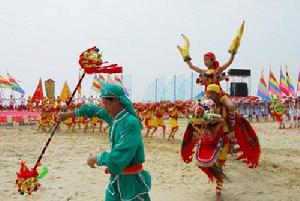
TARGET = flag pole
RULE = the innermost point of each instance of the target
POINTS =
(91, 88)
(99, 91)
(2, 92)
(79, 75)
(12, 91)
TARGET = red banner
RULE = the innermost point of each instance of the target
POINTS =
(38, 94)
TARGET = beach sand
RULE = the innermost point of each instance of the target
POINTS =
(69, 177)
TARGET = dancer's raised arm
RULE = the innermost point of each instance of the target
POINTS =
(226, 65)
(194, 68)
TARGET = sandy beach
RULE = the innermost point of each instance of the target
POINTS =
(69, 177)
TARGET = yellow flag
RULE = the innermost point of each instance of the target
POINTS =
(65, 93)
(237, 40)
(79, 88)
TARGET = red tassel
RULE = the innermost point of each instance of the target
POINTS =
(188, 144)
(208, 173)
(248, 142)
(213, 173)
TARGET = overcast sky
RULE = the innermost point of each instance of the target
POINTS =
(40, 38)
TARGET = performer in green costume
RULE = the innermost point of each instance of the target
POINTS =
(128, 180)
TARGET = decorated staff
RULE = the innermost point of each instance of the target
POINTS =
(214, 72)
(91, 61)
(277, 108)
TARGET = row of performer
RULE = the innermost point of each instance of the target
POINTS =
(154, 115)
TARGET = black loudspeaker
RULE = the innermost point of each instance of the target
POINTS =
(238, 89)
(239, 72)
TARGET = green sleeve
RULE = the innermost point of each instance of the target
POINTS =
(92, 111)
(123, 151)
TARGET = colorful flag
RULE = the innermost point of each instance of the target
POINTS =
(38, 94)
(273, 85)
(290, 85)
(283, 84)
(96, 84)
(101, 79)
(65, 93)
(4, 83)
(109, 80)
(120, 82)
(14, 85)
(263, 91)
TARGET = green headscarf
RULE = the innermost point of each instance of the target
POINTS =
(114, 90)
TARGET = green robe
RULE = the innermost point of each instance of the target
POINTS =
(127, 149)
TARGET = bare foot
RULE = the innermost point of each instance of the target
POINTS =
(219, 196)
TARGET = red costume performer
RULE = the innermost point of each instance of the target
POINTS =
(211, 130)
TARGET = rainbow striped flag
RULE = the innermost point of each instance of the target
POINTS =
(273, 85)
(96, 84)
(101, 79)
(109, 80)
(4, 83)
(14, 85)
(283, 84)
(298, 85)
(120, 82)
(290, 85)
(263, 91)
